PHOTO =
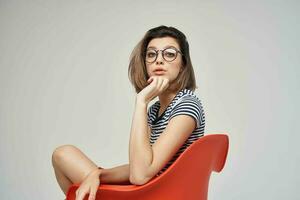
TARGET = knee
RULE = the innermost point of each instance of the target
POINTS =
(62, 152)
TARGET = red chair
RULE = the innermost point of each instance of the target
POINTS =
(187, 178)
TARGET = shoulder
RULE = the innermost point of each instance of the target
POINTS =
(188, 97)
(189, 104)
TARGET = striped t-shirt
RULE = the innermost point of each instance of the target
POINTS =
(185, 102)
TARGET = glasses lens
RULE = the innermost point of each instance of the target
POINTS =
(170, 54)
(150, 55)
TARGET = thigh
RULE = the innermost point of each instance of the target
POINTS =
(73, 162)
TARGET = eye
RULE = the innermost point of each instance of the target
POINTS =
(170, 53)
(150, 54)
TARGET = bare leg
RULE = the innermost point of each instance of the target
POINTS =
(62, 180)
(70, 166)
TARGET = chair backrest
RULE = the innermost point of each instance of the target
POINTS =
(188, 177)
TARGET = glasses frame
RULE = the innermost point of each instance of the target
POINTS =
(162, 53)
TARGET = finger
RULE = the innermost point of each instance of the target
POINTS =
(154, 78)
(152, 90)
(81, 195)
(165, 84)
(150, 79)
(159, 83)
(92, 195)
(77, 194)
(154, 81)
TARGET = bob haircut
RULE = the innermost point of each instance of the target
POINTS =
(137, 71)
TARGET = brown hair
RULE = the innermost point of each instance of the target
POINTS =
(137, 71)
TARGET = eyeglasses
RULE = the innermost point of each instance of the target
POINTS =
(169, 54)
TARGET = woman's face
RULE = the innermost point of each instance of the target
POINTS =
(168, 69)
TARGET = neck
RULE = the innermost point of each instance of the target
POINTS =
(165, 99)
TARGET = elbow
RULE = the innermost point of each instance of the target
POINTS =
(138, 180)
(139, 176)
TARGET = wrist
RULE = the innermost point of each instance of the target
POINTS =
(97, 171)
(139, 101)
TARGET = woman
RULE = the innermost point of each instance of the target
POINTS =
(160, 66)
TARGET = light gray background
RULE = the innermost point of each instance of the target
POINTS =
(63, 80)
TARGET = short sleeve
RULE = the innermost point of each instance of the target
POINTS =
(191, 106)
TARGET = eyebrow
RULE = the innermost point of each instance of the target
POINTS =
(152, 47)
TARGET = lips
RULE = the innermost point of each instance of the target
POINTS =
(159, 70)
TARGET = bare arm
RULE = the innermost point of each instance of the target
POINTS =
(140, 151)
(145, 161)
(115, 175)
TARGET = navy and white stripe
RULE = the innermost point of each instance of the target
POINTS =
(185, 102)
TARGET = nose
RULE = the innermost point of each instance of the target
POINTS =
(159, 59)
